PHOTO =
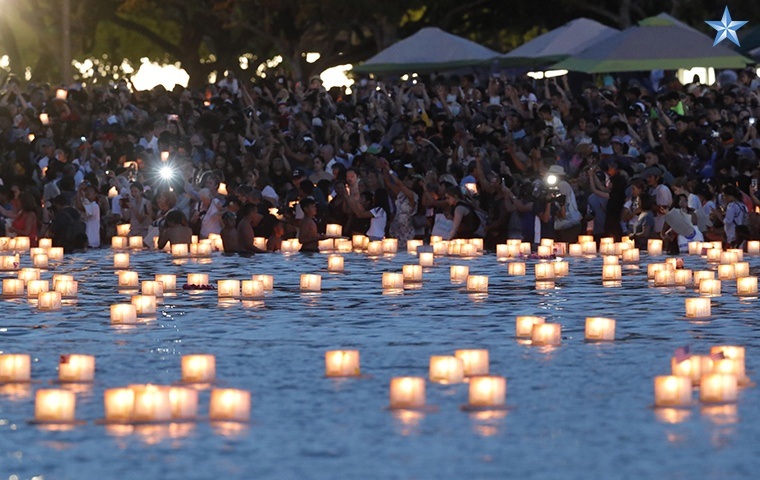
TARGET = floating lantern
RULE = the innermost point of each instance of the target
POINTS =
(342, 363)
(359, 242)
(119, 404)
(412, 273)
(121, 260)
(375, 248)
(49, 301)
(730, 366)
(27, 274)
(390, 246)
(560, 248)
(575, 250)
(589, 248)
(653, 268)
(9, 263)
(561, 269)
(54, 406)
(612, 273)
(154, 288)
(544, 271)
(36, 251)
(477, 243)
(713, 255)
(525, 248)
(435, 239)
(343, 245)
(753, 247)
(672, 391)
(477, 283)
(123, 314)
(730, 352)
(475, 361)
(546, 334)
(184, 403)
(600, 329)
(683, 277)
(524, 325)
(128, 279)
(604, 240)
(738, 252)
(516, 268)
(266, 280)
(260, 243)
(697, 307)
(168, 280)
(290, 246)
(445, 247)
(197, 279)
(21, 244)
(40, 260)
(393, 281)
(487, 391)
(313, 283)
(693, 367)
(151, 404)
(13, 287)
(726, 272)
(193, 239)
(35, 287)
(728, 257)
(446, 369)
(335, 263)
(654, 246)
(631, 255)
(202, 249)
(230, 405)
(710, 287)
(76, 368)
(695, 248)
(544, 251)
(426, 259)
(122, 230)
(198, 368)
(334, 230)
(468, 250)
(67, 288)
(407, 392)
(607, 249)
(718, 388)
(585, 238)
(741, 269)
(502, 252)
(411, 246)
(252, 289)
(15, 368)
(180, 250)
(703, 275)
(144, 304)
(547, 242)
(610, 260)
(665, 278)
(45, 243)
(459, 273)
(136, 242)
(228, 288)
(326, 245)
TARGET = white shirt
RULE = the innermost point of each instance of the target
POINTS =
(211, 222)
(377, 223)
(663, 198)
(92, 221)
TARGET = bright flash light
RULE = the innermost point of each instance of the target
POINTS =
(166, 173)
(551, 180)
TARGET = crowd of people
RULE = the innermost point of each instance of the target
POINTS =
(490, 156)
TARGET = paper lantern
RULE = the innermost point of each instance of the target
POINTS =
(119, 404)
(703, 275)
(718, 388)
(67, 288)
(446, 369)
(544, 251)
(607, 249)
(561, 269)
(252, 289)
(54, 406)
(585, 238)
(610, 260)
(436, 239)
(55, 254)
(21, 244)
(27, 274)
(290, 246)
(407, 392)
(390, 246)
(15, 368)
(468, 250)
(334, 230)
(184, 403)
(343, 245)
(375, 248)
(731, 366)
(560, 249)
(653, 268)
(197, 279)
(61, 94)
(76, 368)
(228, 288)
(631, 255)
(525, 248)
(335, 263)
(547, 242)
(136, 242)
(168, 280)
(49, 301)
(738, 252)
(230, 405)
(713, 255)
(180, 250)
(697, 307)
(13, 287)
(726, 272)
(741, 269)
(695, 248)
(266, 280)
(45, 243)
(600, 329)
(728, 257)
(342, 363)
(57, 277)
(683, 277)
(710, 287)
(313, 283)
(487, 391)
(575, 250)
(589, 248)
(459, 273)
(692, 367)
(36, 251)
(612, 273)
(665, 278)
(9, 263)
(154, 288)
(121, 260)
(502, 252)
(753, 247)
(477, 283)
(516, 268)
(393, 281)
(672, 391)
(128, 279)
(412, 273)
(412, 244)
(144, 304)
(544, 334)
(151, 403)
(35, 287)
(524, 325)
(359, 242)
(326, 245)
(654, 246)
(426, 259)
(544, 271)
(475, 361)
(123, 314)
(202, 249)
(198, 368)
(260, 243)
(40, 260)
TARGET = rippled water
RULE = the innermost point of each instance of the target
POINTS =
(576, 411)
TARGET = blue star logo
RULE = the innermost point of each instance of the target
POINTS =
(726, 28)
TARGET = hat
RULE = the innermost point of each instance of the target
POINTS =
(298, 173)
(556, 170)
(652, 171)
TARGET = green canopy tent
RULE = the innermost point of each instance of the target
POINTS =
(659, 42)
(429, 50)
(558, 44)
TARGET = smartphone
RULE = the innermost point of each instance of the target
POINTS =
(754, 184)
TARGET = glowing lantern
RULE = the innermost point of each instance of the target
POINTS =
(154, 288)
(266, 280)
(375, 248)
(260, 243)
(683, 277)
(631, 255)
(544, 271)
(710, 287)
(718, 388)
(607, 249)
(524, 325)
(45, 243)
(55, 254)
(546, 334)
(228, 288)
(525, 248)
(197, 279)
(713, 255)
(119, 404)
(561, 269)
(612, 273)
(359, 242)
(168, 280)
(144, 304)
(412, 273)
(427, 259)
(27, 274)
(726, 272)
(576, 250)
(407, 392)
(13, 287)
(393, 281)
(202, 249)
(477, 283)
(67, 288)
(653, 268)
(21, 244)
(695, 248)
(697, 307)
(335, 263)
(475, 361)
(753, 247)
(600, 329)
(333, 230)
(665, 278)
(313, 283)
(121, 260)
(729, 257)
(230, 405)
(252, 289)
(610, 260)
(516, 268)
(128, 279)
(54, 406)
(436, 239)
(342, 363)
(198, 368)
(468, 250)
(487, 392)
(446, 369)
(654, 246)
(459, 273)
(692, 367)
(703, 275)
(151, 403)
(738, 252)
(343, 245)
(136, 242)
(184, 403)
(15, 368)
(411, 246)
(326, 245)
(76, 368)
(589, 248)
(290, 246)
(502, 254)
(672, 391)
(40, 260)
(180, 250)
(123, 314)
(741, 269)
(35, 287)
(9, 262)
(49, 301)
